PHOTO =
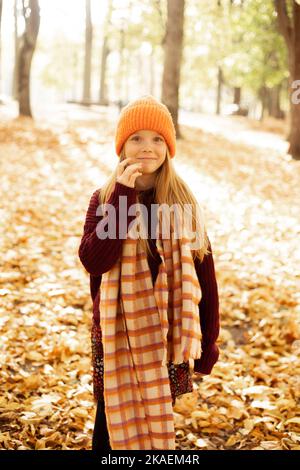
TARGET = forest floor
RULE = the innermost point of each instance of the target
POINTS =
(249, 189)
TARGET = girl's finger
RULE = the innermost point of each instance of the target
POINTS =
(125, 161)
(134, 167)
(122, 166)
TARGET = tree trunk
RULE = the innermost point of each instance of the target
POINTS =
(173, 42)
(120, 75)
(152, 71)
(237, 96)
(219, 91)
(31, 14)
(17, 42)
(86, 99)
(290, 29)
(274, 108)
(103, 99)
(263, 98)
(294, 137)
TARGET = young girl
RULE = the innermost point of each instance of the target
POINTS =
(155, 296)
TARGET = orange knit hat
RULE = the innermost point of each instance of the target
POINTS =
(149, 114)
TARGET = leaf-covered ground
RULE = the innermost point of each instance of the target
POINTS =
(49, 170)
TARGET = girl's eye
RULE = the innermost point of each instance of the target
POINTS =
(137, 137)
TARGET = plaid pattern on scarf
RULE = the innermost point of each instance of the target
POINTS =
(143, 326)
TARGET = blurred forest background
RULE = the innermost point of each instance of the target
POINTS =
(229, 71)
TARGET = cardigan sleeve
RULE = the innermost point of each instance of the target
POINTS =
(96, 254)
(209, 314)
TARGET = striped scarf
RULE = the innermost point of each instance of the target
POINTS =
(143, 327)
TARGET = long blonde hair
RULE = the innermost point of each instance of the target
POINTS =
(169, 189)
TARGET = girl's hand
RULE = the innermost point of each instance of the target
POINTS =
(127, 172)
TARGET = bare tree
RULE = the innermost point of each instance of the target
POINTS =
(17, 41)
(273, 102)
(172, 43)
(86, 99)
(31, 14)
(105, 52)
(289, 27)
(219, 90)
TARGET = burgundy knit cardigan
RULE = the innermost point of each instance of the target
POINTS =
(99, 255)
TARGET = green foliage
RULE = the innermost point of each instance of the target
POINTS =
(62, 63)
(258, 55)
(242, 38)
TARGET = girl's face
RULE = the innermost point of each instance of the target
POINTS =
(148, 148)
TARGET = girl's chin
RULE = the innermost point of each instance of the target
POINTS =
(147, 165)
